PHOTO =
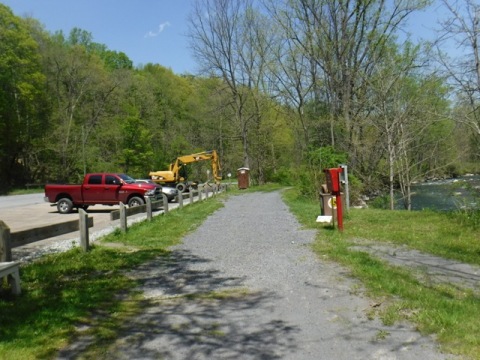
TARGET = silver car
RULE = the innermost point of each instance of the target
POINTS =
(170, 192)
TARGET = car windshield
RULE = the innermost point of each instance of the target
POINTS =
(126, 178)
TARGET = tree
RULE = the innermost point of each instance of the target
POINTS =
(461, 30)
(408, 110)
(137, 147)
(342, 41)
(22, 98)
(216, 40)
(81, 89)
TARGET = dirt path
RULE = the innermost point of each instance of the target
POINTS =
(246, 285)
(429, 268)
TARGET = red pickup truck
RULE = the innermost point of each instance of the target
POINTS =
(103, 189)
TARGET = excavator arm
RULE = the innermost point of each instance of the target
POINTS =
(173, 174)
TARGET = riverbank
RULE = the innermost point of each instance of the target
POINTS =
(458, 193)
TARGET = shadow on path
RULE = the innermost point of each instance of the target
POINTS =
(194, 314)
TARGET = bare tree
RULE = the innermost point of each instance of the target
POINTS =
(461, 30)
(343, 40)
(291, 72)
(227, 41)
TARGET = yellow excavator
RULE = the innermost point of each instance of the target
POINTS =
(176, 174)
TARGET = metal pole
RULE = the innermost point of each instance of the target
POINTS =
(344, 179)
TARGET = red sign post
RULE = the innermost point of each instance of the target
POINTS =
(333, 184)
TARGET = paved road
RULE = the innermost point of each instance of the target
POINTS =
(22, 212)
(246, 285)
(11, 202)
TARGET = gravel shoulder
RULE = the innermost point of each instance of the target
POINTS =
(246, 285)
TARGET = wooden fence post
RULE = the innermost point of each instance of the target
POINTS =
(180, 199)
(5, 243)
(149, 208)
(123, 217)
(191, 196)
(200, 188)
(165, 203)
(83, 227)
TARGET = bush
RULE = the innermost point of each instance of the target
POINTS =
(380, 202)
(283, 176)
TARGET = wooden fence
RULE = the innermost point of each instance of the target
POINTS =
(9, 240)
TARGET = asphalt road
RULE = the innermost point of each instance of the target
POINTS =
(22, 212)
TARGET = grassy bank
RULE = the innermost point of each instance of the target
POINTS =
(449, 312)
(63, 292)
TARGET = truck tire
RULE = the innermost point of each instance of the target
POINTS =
(64, 206)
(135, 201)
(181, 187)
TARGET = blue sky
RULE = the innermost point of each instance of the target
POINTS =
(145, 30)
(148, 31)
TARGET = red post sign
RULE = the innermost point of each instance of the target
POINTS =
(333, 185)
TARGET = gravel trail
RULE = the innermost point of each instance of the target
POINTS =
(246, 285)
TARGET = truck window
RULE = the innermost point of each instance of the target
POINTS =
(111, 180)
(95, 179)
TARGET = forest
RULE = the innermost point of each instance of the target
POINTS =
(286, 88)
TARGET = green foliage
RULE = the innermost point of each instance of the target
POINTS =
(380, 202)
(22, 100)
(326, 157)
(284, 176)
(310, 178)
(75, 106)
(137, 149)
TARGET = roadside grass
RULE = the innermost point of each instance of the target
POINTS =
(63, 293)
(437, 233)
(234, 190)
(449, 312)
(31, 190)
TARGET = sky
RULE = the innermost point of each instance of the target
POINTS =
(147, 31)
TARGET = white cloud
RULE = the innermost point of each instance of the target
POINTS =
(160, 29)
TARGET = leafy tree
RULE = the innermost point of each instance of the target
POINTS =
(137, 149)
(22, 98)
(81, 90)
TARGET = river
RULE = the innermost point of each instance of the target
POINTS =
(444, 195)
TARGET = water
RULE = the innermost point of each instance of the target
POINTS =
(444, 195)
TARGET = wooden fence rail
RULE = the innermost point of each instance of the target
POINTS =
(9, 240)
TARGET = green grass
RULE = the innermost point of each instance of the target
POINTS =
(32, 190)
(437, 233)
(445, 310)
(64, 291)
(74, 289)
